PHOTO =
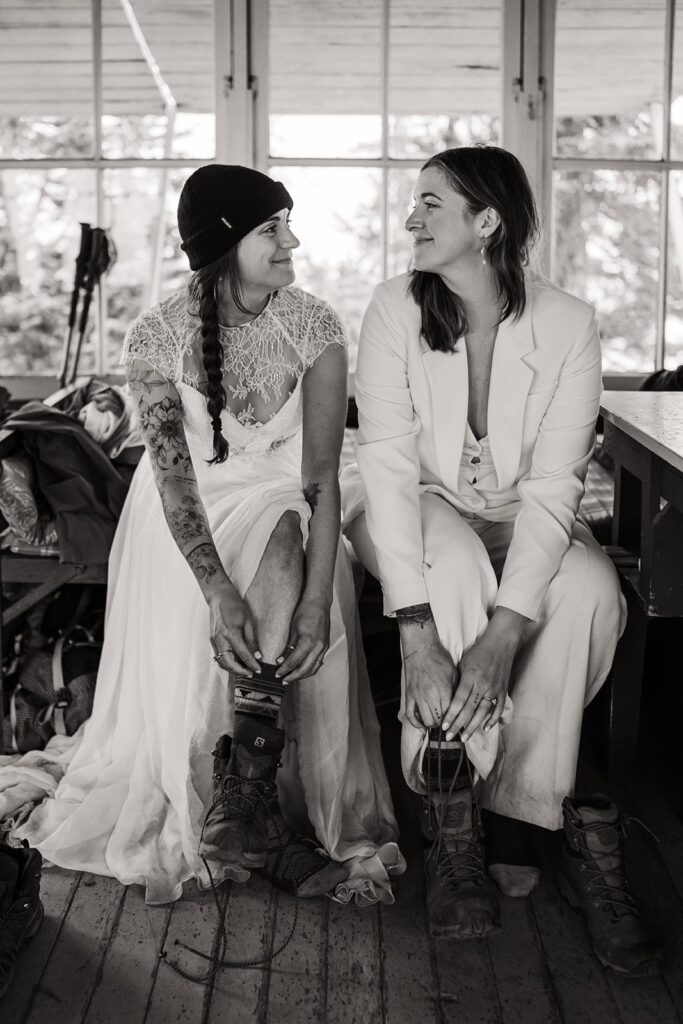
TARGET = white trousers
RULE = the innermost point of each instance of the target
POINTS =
(563, 661)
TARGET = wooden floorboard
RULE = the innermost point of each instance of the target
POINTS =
(58, 888)
(96, 959)
(240, 994)
(72, 972)
(129, 968)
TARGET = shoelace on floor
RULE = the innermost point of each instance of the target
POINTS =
(216, 958)
(612, 896)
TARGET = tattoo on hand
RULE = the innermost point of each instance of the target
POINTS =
(311, 493)
(415, 614)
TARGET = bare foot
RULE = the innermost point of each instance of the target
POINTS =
(515, 879)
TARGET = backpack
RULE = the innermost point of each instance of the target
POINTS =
(55, 692)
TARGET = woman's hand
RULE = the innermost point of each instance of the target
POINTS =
(485, 676)
(309, 639)
(431, 679)
(233, 632)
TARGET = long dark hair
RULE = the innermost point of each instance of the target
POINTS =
(484, 176)
(202, 295)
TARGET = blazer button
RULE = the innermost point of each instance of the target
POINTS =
(476, 460)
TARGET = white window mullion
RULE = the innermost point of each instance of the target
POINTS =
(101, 307)
(234, 139)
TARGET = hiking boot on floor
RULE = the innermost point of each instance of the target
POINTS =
(295, 863)
(21, 912)
(592, 879)
(243, 781)
(461, 899)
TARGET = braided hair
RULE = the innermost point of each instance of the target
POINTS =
(202, 294)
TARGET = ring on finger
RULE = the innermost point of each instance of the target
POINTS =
(491, 700)
(219, 654)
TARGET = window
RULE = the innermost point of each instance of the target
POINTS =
(617, 163)
(104, 109)
(360, 94)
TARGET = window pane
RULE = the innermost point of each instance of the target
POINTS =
(673, 352)
(158, 80)
(337, 217)
(606, 250)
(399, 205)
(325, 78)
(39, 240)
(609, 60)
(677, 86)
(46, 81)
(135, 200)
(445, 78)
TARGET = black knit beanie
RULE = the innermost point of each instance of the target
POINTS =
(220, 204)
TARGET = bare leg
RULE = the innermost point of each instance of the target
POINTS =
(275, 589)
(272, 598)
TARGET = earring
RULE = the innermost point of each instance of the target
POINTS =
(217, 284)
(482, 251)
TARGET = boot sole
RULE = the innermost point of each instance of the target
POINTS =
(487, 926)
(646, 969)
(238, 858)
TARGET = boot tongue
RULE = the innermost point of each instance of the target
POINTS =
(258, 746)
(457, 814)
(9, 879)
(601, 837)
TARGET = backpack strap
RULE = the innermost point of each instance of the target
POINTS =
(57, 708)
(13, 720)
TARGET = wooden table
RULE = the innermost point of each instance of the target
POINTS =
(644, 436)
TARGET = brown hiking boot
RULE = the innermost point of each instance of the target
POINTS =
(461, 900)
(21, 911)
(592, 879)
(243, 782)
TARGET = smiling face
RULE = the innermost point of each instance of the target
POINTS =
(264, 256)
(445, 234)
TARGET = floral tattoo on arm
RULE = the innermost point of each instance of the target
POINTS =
(311, 494)
(161, 422)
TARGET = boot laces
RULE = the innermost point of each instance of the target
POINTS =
(613, 896)
(458, 857)
(238, 802)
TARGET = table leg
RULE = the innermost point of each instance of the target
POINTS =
(627, 683)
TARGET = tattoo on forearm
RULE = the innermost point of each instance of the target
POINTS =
(311, 494)
(161, 422)
(204, 562)
(415, 614)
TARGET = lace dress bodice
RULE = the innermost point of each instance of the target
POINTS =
(263, 365)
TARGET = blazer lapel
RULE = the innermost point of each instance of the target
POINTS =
(446, 373)
(511, 374)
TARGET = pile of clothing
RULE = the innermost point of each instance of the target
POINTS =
(61, 490)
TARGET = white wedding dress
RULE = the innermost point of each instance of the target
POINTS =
(133, 798)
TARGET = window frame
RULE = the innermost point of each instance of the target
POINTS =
(231, 91)
(661, 167)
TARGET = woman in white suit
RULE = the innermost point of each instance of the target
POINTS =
(478, 388)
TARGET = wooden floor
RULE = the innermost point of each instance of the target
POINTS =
(96, 958)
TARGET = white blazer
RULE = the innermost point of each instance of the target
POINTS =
(412, 404)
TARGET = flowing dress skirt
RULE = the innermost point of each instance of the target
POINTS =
(132, 802)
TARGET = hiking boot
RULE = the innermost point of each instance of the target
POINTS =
(243, 781)
(592, 879)
(461, 900)
(21, 912)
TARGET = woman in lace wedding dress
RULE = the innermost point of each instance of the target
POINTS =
(135, 796)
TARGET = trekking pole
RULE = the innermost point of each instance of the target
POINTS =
(81, 264)
(102, 258)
